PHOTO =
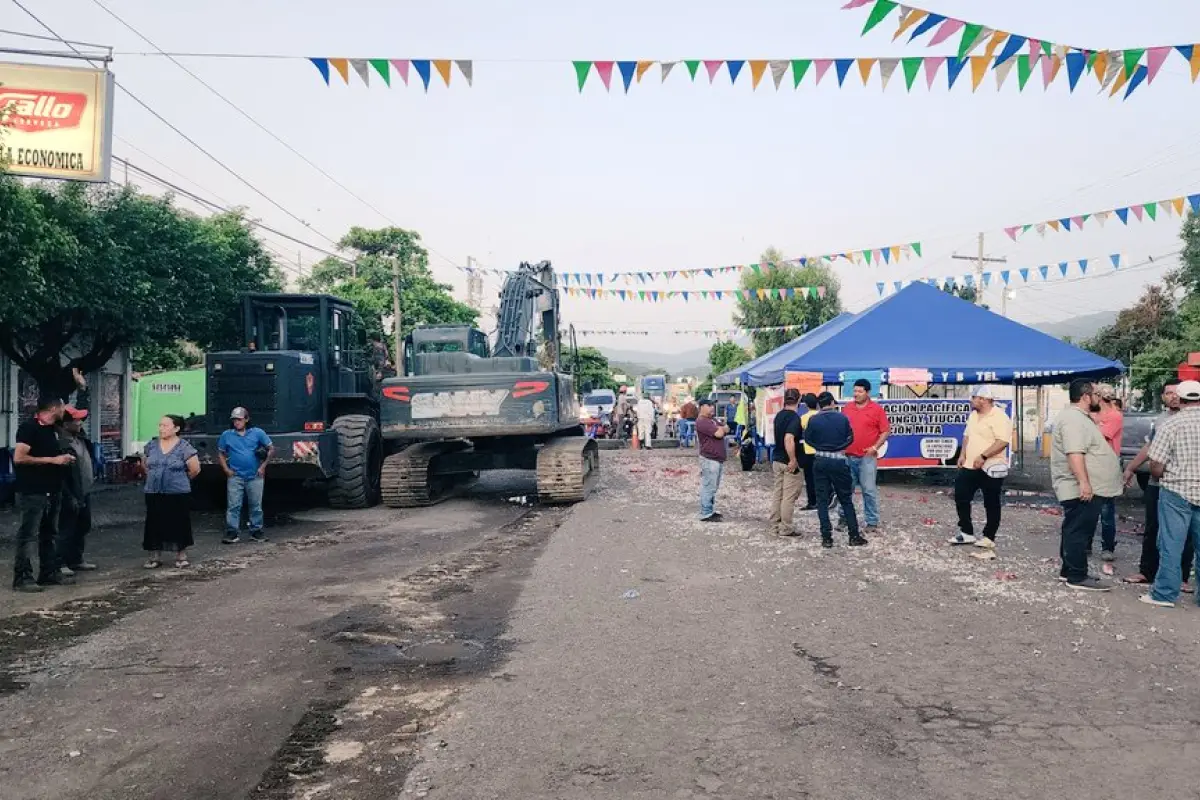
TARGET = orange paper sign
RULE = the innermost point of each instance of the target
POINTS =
(804, 382)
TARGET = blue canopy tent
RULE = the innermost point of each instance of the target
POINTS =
(921, 326)
(780, 355)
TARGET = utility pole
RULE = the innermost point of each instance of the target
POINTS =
(980, 260)
(396, 311)
(474, 286)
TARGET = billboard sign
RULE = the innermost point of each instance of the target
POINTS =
(928, 433)
(56, 122)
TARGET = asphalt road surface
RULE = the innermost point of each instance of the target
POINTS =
(619, 649)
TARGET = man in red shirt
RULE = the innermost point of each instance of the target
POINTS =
(869, 423)
(1111, 421)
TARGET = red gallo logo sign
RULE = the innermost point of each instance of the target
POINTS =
(309, 382)
(33, 110)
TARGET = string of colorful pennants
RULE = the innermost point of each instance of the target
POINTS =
(386, 67)
(659, 295)
(689, 331)
(1112, 68)
(1142, 212)
(1007, 277)
(879, 255)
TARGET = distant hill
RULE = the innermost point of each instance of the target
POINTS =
(634, 362)
(1078, 328)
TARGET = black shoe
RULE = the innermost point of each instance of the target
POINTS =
(1090, 584)
(810, 507)
(858, 541)
(27, 587)
(56, 580)
(827, 543)
(258, 536)
(714, 518)
(231, 538)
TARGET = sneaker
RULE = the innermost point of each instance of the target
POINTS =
(1062, 579)
(27, 587)
(714, 517)
(66, 572)
(1108, 555)
(784, 534)
(984, 555)
(962, 538)
(985, 543)
(1149, 600)
(231, 538)
(84, 566)
(827, 543)
(258, 536)
(812, 507)
(1090, 584)
(858, 541)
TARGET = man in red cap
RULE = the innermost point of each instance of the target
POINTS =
(75, 510)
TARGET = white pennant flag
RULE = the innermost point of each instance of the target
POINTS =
(778, 70)
(887, 66)
(1002, 69)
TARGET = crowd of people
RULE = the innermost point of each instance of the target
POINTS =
(830, 451)
(54, 475)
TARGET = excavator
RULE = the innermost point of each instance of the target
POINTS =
(463, 405)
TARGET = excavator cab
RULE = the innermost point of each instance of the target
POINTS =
(435, 340)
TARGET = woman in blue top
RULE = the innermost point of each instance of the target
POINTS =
(171, 464)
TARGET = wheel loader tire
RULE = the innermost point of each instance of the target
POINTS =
(360, 456)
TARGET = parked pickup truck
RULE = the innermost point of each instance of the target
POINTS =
(1137, 431)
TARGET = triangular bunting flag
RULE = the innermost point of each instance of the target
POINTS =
(1002, 69)
(778, 70)
(712, 66)
(932, 65)
(799, 67)
(1131, 59)
(1024, 70)
(1151, 211)
(880, 287)
(626, 68)
(1011, 48)
(916, 246)
(1100, 66)
(1116, 260)
(878, 14)
(1012, 233)
(887, 255)
(735, 67)
(1122, 214)
(1053, 224)
(757, 70)
(898, 285)
(1165, 207)
(1062, 267)
(1139, 76)
(642, 66)
(422, 68)
(1155, 57)
(972, 33)
(604, 70)
(1178, 204)
(667, 66)
(1083, 265)
(692, 67)
(582, 68)
(979, 67)
(947, 29)
(322, 65)
(930, 22)
(442, 65)
(343, 68)
(1137, 212)
(911, 67)
(994, 42)
(1044, 270)
(1075, 65)
(1024, 274)
(909, 19)
(1004, 276)
(865, 65)
(1066, 223)
(843, 67)
(401, 67)
(823, 65)
(467, 69)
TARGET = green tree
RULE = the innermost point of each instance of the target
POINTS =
(89, 270)
(962, 292)
(1151, 318)
(1187, 275)
(365, 279)
(1161, 357)
(724, 356)
(809, 311)
(592, 369)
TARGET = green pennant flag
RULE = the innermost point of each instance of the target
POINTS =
(641, 294)
(867, 253)
(757, 269)
(1048, 48)
(916, 246)
(381, 66)
(1026, 229)
(779, 294)
(1091, 61)
(971, 32)
(1024, 70)
(1151, 208)
(1132, 57)
(912, 67)
(812, 292)
(878, 14)
(799, 67)
(692, 67)
(582, 68)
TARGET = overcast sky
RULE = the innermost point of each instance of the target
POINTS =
(524, 167)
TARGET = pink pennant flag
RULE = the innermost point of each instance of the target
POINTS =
(932, 65)
(1137, 212)
(821, 292)
(855, 4)
(604, 70)
(1047, 71)
(822, 65)
(1012, 232)
(1035, 49)
(948, 29)
(712, 67)
(1077, 222)
(401, 65)
(1155, 57)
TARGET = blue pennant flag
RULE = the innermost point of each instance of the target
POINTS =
(933, 20)
(734, 68)
(1139, 76)
(1045, 270)
(898, 285)
(1025, 274)
(880, 287)
(1062, 267)
(1011, 48)
(627, 68)
(1004, 276)
(1083, 262)
(954, 66)
(987, 279)
(969, 280)
(322, 65)
(1116, 261)
(1194, 201)
(1123, 215)
(422, 68)
(1076, 61)
(842, 65)
(1065, 222)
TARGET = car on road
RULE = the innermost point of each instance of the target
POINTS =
(1138, 426)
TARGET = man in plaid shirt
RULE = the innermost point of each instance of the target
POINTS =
(1175, 461)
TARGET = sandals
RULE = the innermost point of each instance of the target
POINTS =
(152, 564)
(182, 563)
(1137, 579)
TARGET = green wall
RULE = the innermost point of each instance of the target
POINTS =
(164, 393)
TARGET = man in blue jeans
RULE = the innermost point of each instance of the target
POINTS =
(829, 434)
(244, 452)
(1175, 461)
(711, 435)
(870, 424)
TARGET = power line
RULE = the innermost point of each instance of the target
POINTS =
(40, 38)
(174, 128)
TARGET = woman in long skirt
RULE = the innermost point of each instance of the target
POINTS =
(171, 464)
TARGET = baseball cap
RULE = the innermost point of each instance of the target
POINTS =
(986, 392)
(1188, 390)
(239, 413)
(1105, 391)
(75, 413)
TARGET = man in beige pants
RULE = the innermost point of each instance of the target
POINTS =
(785, 465)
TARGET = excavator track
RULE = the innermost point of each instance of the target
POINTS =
(567, 469)
(406, 480)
